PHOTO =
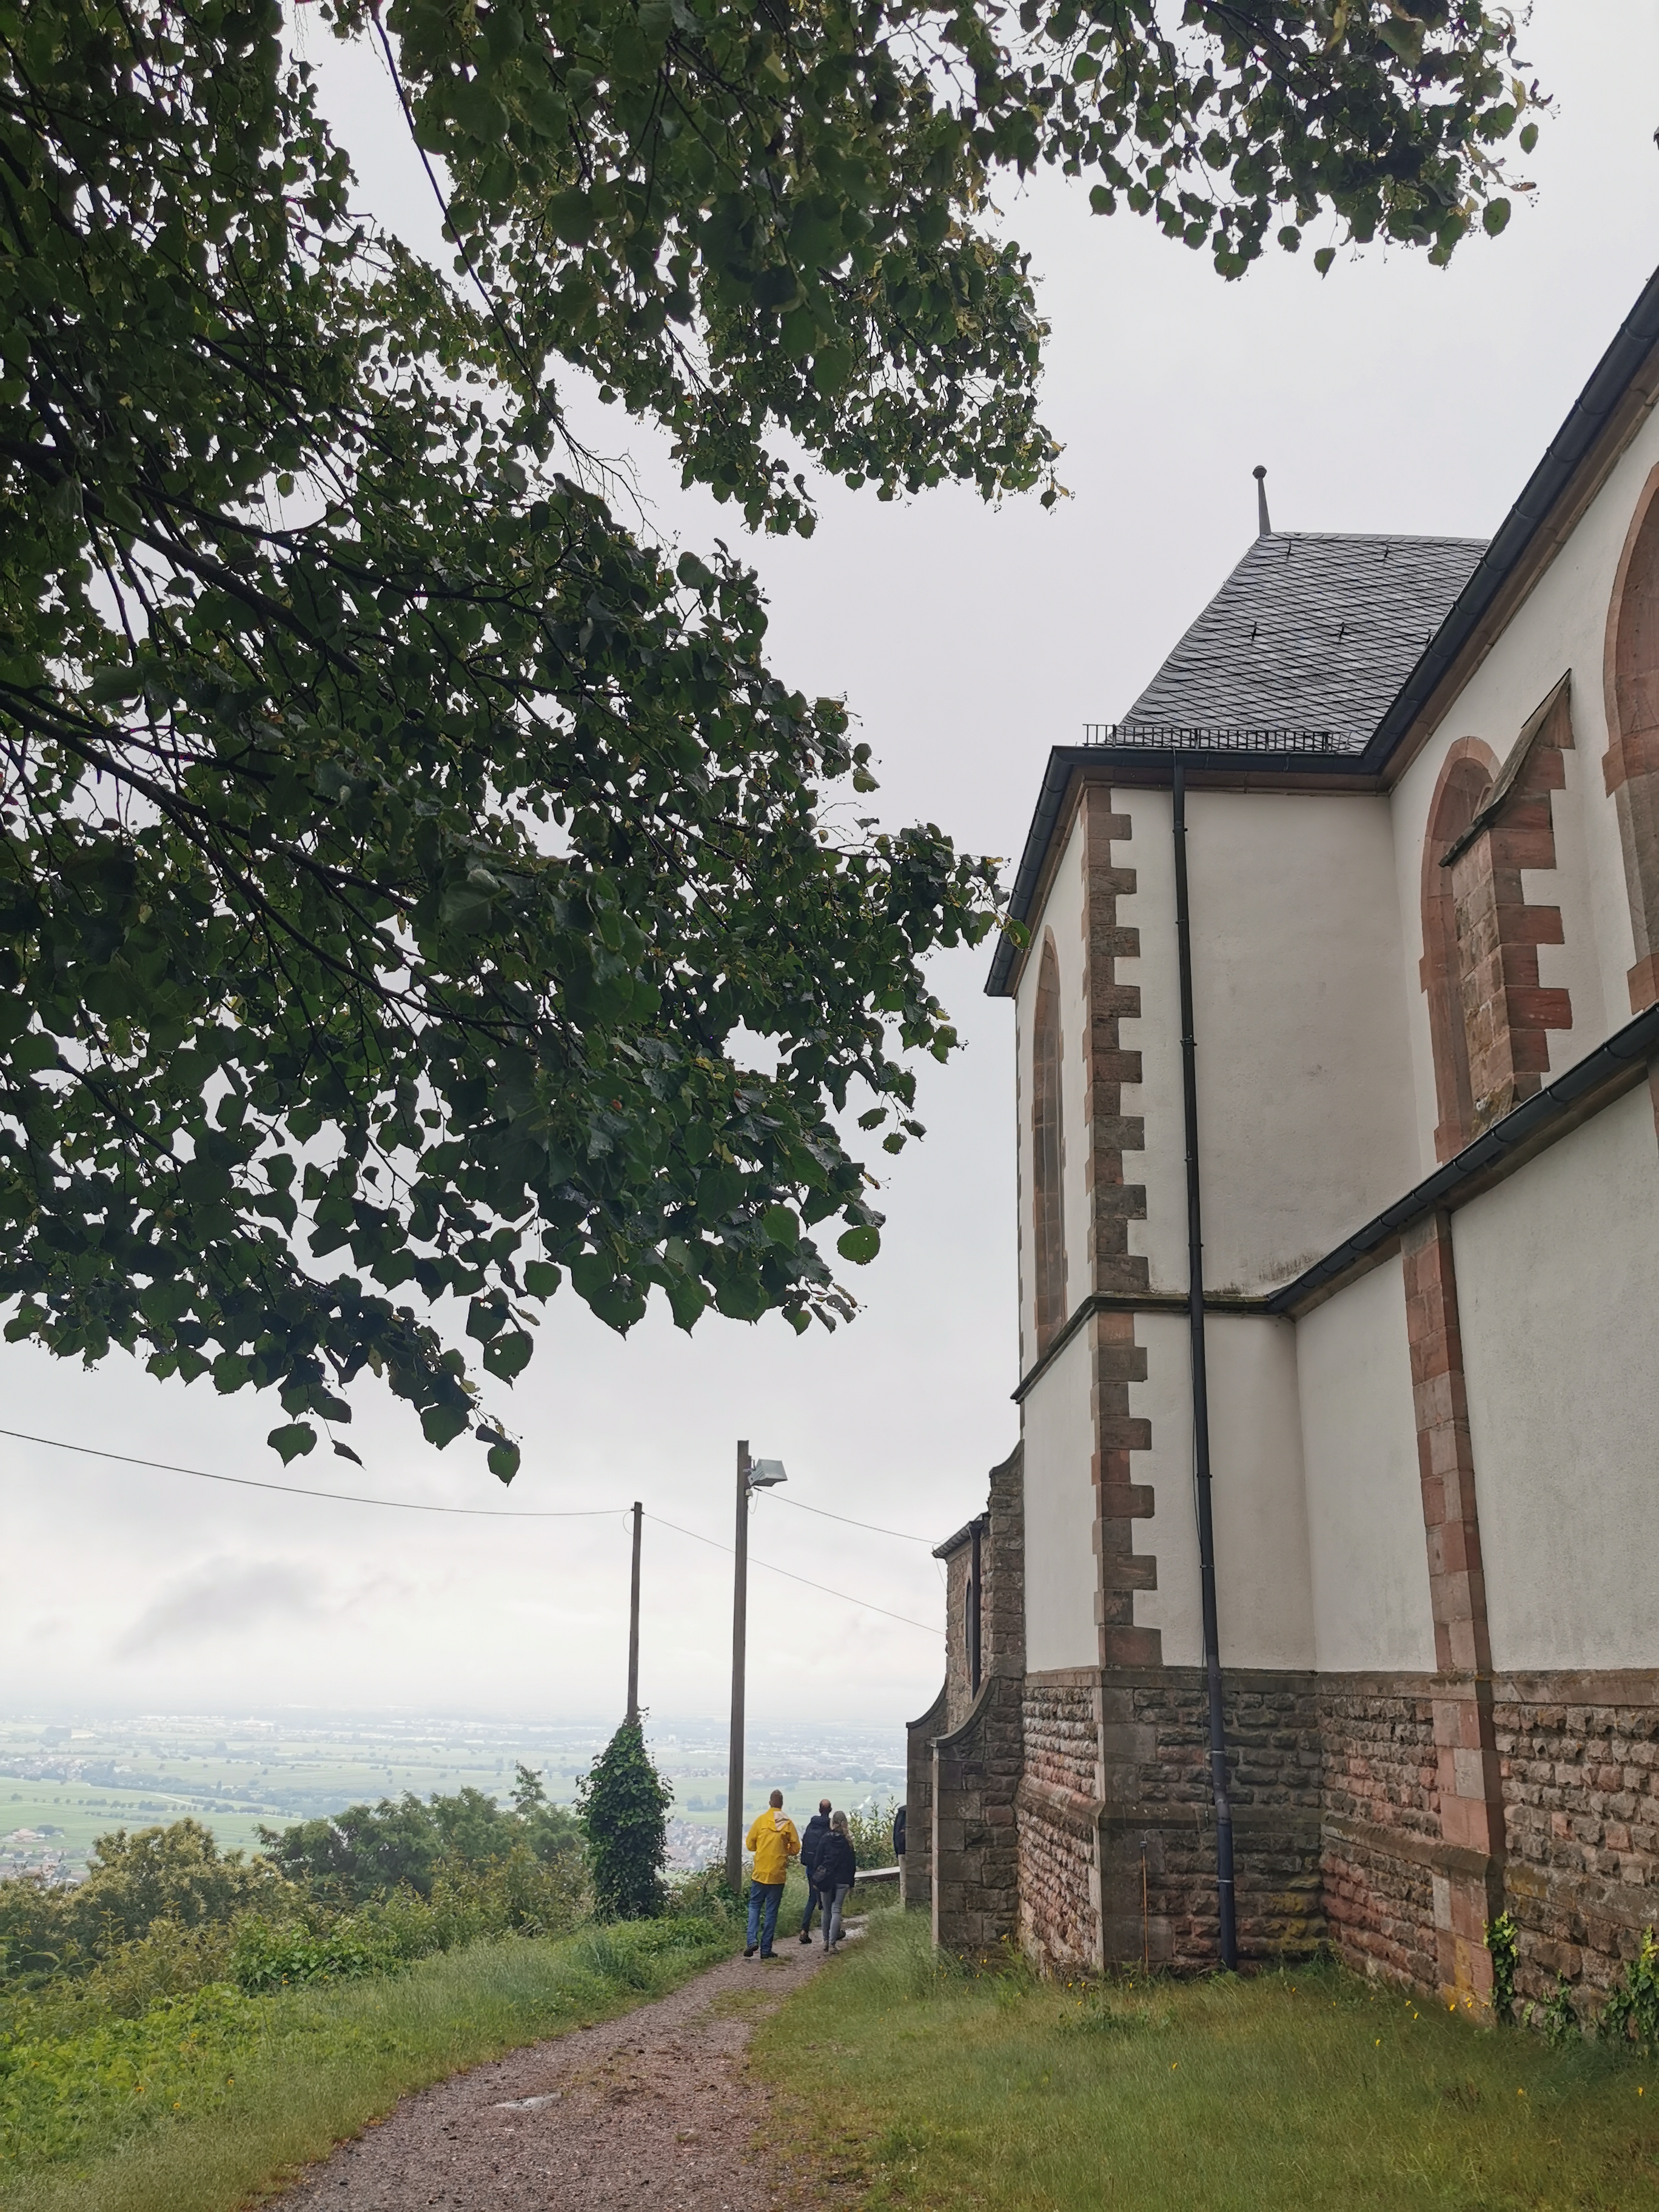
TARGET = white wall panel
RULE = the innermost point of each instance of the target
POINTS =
(1557, 1289)
(1263, 1603)
(1303, 1060)
(1060, 1575)
(1365, 1540)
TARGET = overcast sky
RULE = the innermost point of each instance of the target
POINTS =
(1388, 397)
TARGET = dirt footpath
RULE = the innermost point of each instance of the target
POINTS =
(653, 2110)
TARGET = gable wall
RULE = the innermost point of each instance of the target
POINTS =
(1562, 625)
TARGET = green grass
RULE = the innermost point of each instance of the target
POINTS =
(1306, 2092)
(208, 2104)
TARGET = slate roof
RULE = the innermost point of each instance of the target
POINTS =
(1311, 632)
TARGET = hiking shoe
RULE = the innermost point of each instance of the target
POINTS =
(749, 1950)
(805, 1935)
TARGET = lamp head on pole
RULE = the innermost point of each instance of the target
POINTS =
(765, 1474)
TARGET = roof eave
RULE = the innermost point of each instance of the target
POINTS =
(1580, 441)
(1150, 766)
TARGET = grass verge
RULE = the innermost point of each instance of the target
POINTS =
(211, 2102)
(927, 2087)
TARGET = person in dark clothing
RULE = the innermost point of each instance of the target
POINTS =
(837, 1871)
(817, 1829)
(898, 1833)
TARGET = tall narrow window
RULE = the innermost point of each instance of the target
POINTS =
(1048, 1195)
(1464, 783)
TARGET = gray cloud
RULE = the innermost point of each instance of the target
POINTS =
(223, 1596)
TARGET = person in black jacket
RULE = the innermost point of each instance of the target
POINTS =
(836, 1870)
(817, 1829)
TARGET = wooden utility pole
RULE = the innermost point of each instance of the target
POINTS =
(633, 1626)
(739, 1628)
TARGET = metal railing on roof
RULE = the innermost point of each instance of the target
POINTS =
(1219, 737)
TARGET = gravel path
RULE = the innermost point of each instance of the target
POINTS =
(653, 2110)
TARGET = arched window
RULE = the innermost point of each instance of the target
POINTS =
(1631, 765)
(1048, 1193)
(1465, 780)
(1489, 1011)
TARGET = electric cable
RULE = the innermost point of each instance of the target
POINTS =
(336, 1497)
(926, 1627)
(474, 1512)
(824, 1514)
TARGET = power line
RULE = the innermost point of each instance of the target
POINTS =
(336, 1497)
(926, 1627)
(478, 1512)
(823, 1514)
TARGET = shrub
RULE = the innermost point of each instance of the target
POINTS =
(623, 1802)
(169, 1880)
(1501, 1946)
(706, 1896)
(1632, 2014)
(1558, 2015)
(871, 1830)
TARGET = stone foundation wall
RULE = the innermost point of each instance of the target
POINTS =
(1579, 1764)
(1382, 1823)
(1275, 1762)
(1059, 1818)
(1338, 1829)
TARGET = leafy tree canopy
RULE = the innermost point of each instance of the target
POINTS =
(367, 1850)
(396, 851)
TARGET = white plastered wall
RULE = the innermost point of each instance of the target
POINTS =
(1557, 1284)
(1061, 913)
(1303, 1066)
(1057, 1426)
(1561, 625)
(1370, 1559)
(1263, 1604)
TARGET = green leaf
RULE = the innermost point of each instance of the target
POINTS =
(860, 1245)
(293, 1440)
(508, 1355)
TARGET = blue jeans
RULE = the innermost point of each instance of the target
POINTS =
(761, 1932)
(813, 1901)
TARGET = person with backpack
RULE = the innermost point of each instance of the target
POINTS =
(837, 1871)
(815, 1830)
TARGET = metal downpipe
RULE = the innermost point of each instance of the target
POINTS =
(1223, 1813)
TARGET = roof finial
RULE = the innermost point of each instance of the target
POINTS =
(1263, 527)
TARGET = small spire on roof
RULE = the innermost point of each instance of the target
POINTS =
(1263, 527)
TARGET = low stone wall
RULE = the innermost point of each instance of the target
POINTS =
(916, 1879)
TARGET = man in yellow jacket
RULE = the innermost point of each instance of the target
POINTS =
(774, 1842)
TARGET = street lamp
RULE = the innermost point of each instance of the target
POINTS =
(752, 1476)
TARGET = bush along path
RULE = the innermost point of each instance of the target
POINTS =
(654, 2109)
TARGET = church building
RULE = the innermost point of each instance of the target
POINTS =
(1319, 1603)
